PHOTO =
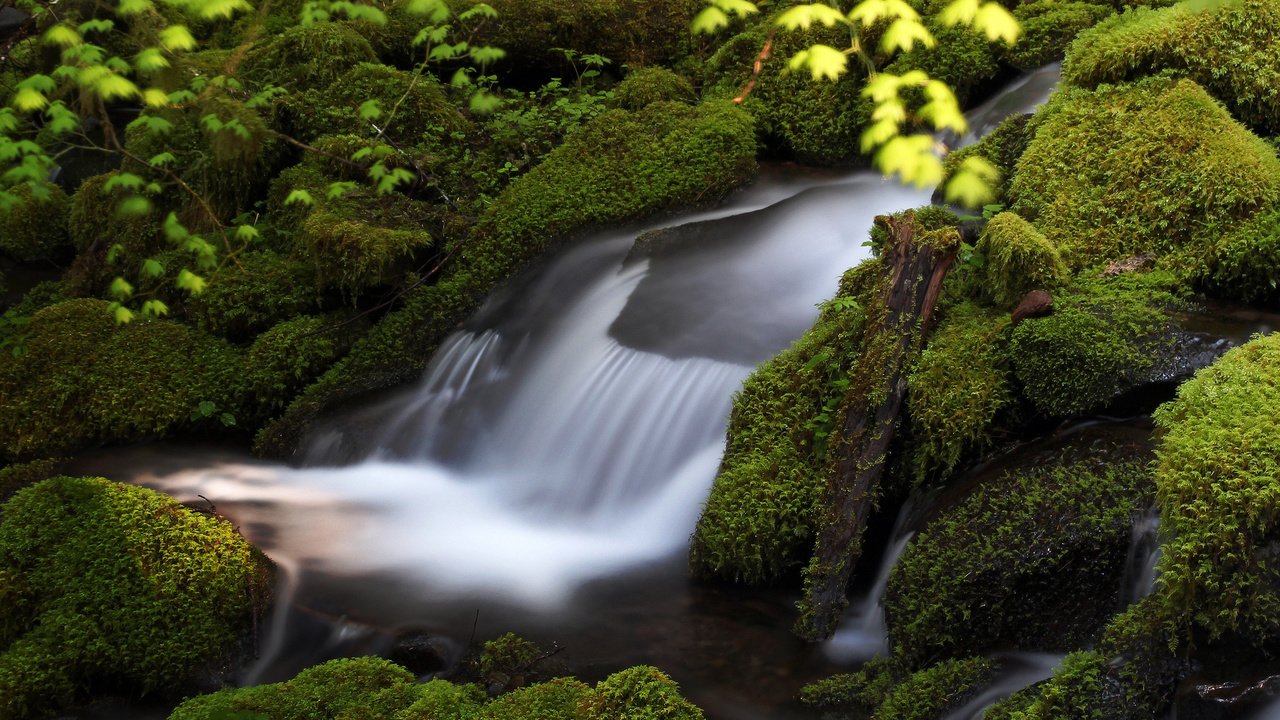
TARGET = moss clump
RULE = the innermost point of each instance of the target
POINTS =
(15, 477)
(242, 299)
(354, 255)
(930, 693)
(36, 228)
(620, 166)
(94, 226)
(1220, 503)
(860, 691)
(639, 693)
(758, 522)
(288, 357)
(957, 389)
(309, 57)
(1031, 560)
(558, 699)
(109, 583)
(411, 105)
(1153, 167)
(1001, 147)
(647, 85)
(1228, 47)
(1244, 262)
(83, 380)
(1103, 337)
(1048, 27)
(1018, 260)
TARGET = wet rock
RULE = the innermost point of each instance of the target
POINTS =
(1036, 303)
(1127, 265)
(1200, 698)
(421, 653)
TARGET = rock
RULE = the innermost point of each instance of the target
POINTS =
(1034, 304)
(1127, 265)
(421, 653)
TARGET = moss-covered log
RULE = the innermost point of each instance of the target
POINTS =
(897, 325)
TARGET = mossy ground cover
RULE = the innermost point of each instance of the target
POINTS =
(113, 587)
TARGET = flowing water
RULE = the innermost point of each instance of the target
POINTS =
(545, 474)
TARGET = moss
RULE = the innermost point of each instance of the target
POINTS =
(93, 224)
(84, 380)
(558, 699)
(1103, 337)
(36, 229)
(758, 522)
(289, 356)
(963, 59)
(1001, 147)
(506, 660)
(260, 290)
(620, 166)
(354, 255)
(813, 122)
(410, 104)
(345, 689)
(439, 699)
(1048, 27)
(932, 692)
(638, 693)
(1243, 264)
(1218, 461)
(1228, 47)
(1030, 560)
(1154, 167)
(311, 57)
(1018, 259)
(861, 691)
(15, 477)
(120, 584)
(957, 389)
(647, 85)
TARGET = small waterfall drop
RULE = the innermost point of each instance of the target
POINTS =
(1141, 564)
(1017, 671)
(863, 634)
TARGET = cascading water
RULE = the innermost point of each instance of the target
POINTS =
(863, 634)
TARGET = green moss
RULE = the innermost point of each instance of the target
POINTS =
(289, 356)
(620, 166)
(963, 59)
(244, 298)
(1219, 501)
(1153, 167)
(36, 229)
(309, 57)
(638, 693)
(647, 85)
(410, 105)
(15, 477)
(932, 692)
(1228, 47)
(861, 691)
(355, 255)
(507, 656)
(120, 584)
(1048, 27)
(1001, 147)
(84, 380)
(1244, 262)
(1030, 560)
(93, 225)
(957, 389)
(1018, 259)
(1103, 337)
(439, 700)
(758, 522)
(558, 699)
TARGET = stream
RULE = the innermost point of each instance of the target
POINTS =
(545, 474)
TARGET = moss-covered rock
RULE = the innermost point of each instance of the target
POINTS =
(1219, 500)
(1018, 259)
(620, 166)
(83, 380)
(647, 85)
(958, 388)
(758, 522)
(1104, 336)
(261, 289)
(1154, 167)
(409, 104)
(1244, 261)
(1048, 27)
(932, 692)
(557, 699)
(860, 692)
(354, 255)
(1227, 47)
(638, 693)
(1031, 560)
(119, 586)
(15, 477)
(1001, 147)
(288, 357)
(36, 228)
(310, 57)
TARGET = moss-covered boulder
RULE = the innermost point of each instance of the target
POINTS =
(95, 228)
(1227, 47)
(1031, 560)
(83, 380)
(36, 228)
(647, 85)
(620, 166)
(1219, 499)
(886, 689)
(1243, 263)
(1018, 259)
(1002, 147)
(1156, 167)
(1048, 27)
(258, 291)
(1105, 336)
(15, 477)
(289, 356)
(113, 587)
(310, 57)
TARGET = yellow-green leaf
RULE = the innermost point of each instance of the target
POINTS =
(709, 20)
(903, 34)
(154, 97)
(959, 12)
(122, 314)
(997, 23)
(28, 100)
(802, 17)
(121, 289)
(823, 61)
(177, 38)
(870, 12)
(127, 8)
(63, 36)
(151, 60)
(190, 282)
(878, 134)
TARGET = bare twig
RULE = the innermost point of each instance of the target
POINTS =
(757, 68)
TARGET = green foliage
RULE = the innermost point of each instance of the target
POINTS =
(863, 690)
(1244, 261)
(1018, 259)
(508, 655)
(530, 125)
(758, 522)
(1001, 147)
(308, 57)
(15, 477)
(957, 389)
(36, 228)
(647, 85)
(263, 288)
(1220, 504)
(1103, 337)
(440, 699)
(1032, 559)
(114, 583)
(638, 693)
(1048, 27)
(289, 356)
(1153, 167)
(1076, 691)
(932, 692)
(557, 699)
(84, 381)
(1228, 47)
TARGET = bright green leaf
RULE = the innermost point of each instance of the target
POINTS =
(177, 38)
(62, 36)
(152, 268)
(121, 289)
(299, 196)
(189, 281)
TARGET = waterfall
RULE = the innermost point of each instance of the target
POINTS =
(1140, 569)
(863, 634)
